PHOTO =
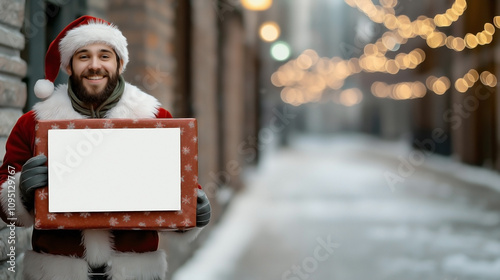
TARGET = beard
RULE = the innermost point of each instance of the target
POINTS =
(93, 97)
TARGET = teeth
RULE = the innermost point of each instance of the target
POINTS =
(94, 77)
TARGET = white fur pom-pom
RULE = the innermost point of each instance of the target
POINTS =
(44, 88)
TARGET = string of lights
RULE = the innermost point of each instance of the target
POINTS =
(307, 77)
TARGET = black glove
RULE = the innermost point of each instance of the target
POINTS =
(34, 174)
(203, 209)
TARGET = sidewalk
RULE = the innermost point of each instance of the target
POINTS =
(325, 209)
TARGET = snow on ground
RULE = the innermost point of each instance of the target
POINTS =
(434, 224)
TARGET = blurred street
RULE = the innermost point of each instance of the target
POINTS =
(322, 208)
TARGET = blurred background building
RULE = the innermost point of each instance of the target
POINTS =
(257, 73)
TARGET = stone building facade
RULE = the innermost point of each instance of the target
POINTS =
(12, 100)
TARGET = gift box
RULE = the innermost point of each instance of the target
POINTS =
(182, 219)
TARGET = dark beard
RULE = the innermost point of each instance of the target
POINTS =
(93, 98)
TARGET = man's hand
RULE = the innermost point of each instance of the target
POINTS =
(203, 209)
(34, 174)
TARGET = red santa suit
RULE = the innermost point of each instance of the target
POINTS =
(67, 254)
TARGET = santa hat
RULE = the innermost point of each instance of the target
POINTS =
(82, 32)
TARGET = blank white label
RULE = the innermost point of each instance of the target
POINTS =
(107, 170)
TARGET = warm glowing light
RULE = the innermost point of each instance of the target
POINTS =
(418, 90)
(458, 44)
(429, 82)
(489, 28)
(306, 78)
(351, 97)
(488, 79)
(461, 85)
(269, 31)
(496, 21)
(436, 39)
(441, 85)
(471, 41)
(257, 5)
(388, 3)
(304, 62)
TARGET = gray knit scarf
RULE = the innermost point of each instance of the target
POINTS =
(99, 112)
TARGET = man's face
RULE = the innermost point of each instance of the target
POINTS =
(94, 72)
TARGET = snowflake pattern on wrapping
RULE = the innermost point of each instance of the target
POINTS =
(180, 219)
(108, 124)
(113, 221)
(186, 199)
(160, 221)
(186, 222)
(43, 194)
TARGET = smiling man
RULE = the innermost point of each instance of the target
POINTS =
(94, 54)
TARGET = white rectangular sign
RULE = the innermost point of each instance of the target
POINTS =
(106, 170)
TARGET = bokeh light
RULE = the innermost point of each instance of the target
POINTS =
(269, 31)
(280, 51)
(311, 75)
(257, 5)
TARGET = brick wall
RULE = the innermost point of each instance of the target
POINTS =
(12, 100)
(148, 27)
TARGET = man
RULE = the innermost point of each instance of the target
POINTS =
(94, 53)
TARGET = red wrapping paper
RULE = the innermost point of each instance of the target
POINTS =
(159, 220)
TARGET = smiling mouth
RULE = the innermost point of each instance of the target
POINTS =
(95, 77)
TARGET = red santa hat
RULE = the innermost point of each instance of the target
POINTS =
(82, 32)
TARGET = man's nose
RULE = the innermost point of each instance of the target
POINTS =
(95, 63)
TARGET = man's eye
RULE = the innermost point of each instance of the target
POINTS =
(105, 56)
(83, 57)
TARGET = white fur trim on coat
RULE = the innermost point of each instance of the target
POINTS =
(38, 266)
(138, 266)
(24, 218)
(57, 106)
(98, 246)
(134, 104)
